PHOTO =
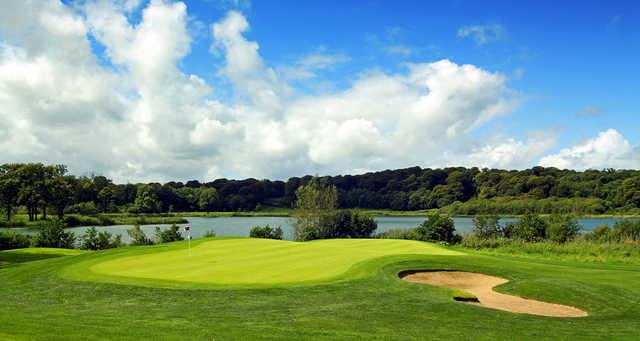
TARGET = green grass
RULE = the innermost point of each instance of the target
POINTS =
(41, 301)
(578, 250)
(245, 261)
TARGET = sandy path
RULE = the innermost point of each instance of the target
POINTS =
(482, 287)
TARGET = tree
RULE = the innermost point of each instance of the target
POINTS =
(60, 195)
(631, 191)
(438, 228)
(105, 197)
(207, 199)
(31, 178)
(315, 203)
(146, 199)
(9, 189)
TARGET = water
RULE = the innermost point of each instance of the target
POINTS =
(240, 226)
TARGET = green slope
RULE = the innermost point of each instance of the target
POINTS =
(246, 261)
(40, 301)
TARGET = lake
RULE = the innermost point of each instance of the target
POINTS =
(240, 226)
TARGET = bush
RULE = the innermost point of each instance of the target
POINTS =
(266, 232)
(209, 234)
(350, 224)
(562, 228)
(530, 228)
(138, 237)
(486, 226)
(168, 235)
(474, 242)
(106, 221)
(11, 240)
(72, 221)
(84, 208)
(601, 233)
(52, 234)
(94, 240)
(626, 230)
(438, 228)
(410, 234)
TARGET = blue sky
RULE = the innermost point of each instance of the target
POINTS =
(573, 55)
(237, 88)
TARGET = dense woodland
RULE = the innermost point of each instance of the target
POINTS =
(40, 190)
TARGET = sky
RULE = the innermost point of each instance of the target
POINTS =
(165, 90)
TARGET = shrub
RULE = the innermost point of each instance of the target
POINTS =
(94, 240)
(106, 221)
(52, 234)
(170, 234)
(138, 237)
(474, 242)
(530, 228)
(626, 230)
(562, 228)
(84, 208)
(72, 221)
(266, 232)
(209, 234)
(350, 224)
(486, 226)
(11, 240)
(601, 233)
(438, 228)
(410, 234)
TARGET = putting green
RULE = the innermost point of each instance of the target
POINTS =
(247, 261)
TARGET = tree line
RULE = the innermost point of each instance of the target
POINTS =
(38, 188)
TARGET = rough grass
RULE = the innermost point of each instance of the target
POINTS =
(579, 250)
(39, 302)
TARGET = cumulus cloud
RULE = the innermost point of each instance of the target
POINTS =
(142, 118)
(607, 150)
(482, 34)
(508, 152)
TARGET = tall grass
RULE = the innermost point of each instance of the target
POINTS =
(583, 250)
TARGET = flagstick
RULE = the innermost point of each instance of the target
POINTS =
(189, 233)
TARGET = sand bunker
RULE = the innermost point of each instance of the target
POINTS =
(482, 287)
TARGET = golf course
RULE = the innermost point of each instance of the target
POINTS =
(246, 288)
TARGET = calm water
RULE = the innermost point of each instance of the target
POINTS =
(240, 226)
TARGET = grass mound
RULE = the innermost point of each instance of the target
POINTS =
(244, 261)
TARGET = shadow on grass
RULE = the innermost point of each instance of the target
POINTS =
(15, 258)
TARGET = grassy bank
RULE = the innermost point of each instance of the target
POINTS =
(579, 250)
(40, 302)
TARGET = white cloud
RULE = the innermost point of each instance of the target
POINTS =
(308, 66)
(608, 150)
(482, 34)
(143, 118)
(508, 152)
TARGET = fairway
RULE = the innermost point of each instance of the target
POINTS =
(258, 289)
(242, 261)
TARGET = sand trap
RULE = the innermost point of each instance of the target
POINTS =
(482, 287)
